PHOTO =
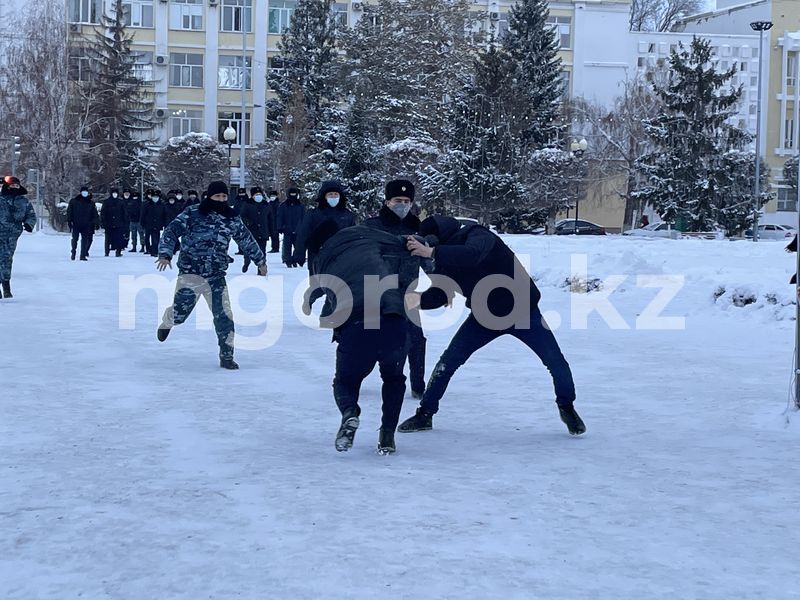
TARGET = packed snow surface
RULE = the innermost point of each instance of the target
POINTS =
(131, 469)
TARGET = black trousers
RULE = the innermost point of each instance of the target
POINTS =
(416, 356)
(86, 235)
(262, 243)
(472, 336)
(274, 239)
(151, 239)
(358, 351)
(288, 247)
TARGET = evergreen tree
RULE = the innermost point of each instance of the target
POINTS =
(533, 50)
(735, 208)
(191, 161)
(686, 174)
(120, 105)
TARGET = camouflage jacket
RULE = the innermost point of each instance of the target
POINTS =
(204, 238)
(14, 211)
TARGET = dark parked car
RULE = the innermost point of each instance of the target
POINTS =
(567, 227)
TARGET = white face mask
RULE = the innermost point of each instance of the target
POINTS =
(155, 198)
(179, 196)
(273, 198)
(401, 210)
(333, 202)
(114, 194)
(258, 198)
(85, 194)
(126, 196)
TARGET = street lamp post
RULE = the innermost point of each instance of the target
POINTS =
(578, 148)
(229, 135)
(761, 27)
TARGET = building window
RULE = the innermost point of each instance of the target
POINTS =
(79, 64)
(743, 67)
(185, 70)
(186, 14)
(138, 13)
(275, 65)
(234, 119)
(755, 51)
(183, 121)
(502, 26)
(562, 26)
(787, 199)
(565, 81)
(143, 66)
(280, 15)
(789, 134)
(340, 14)
(791, 70)
(231, 72)
(84, 11)
(236, 15)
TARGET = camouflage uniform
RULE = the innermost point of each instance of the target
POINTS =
(202, 263)
(15, 211)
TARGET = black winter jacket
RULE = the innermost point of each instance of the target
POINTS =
(153, 215)
(82, 214)
(257, 217)
(407, 266)
(133, 207)
(171, 211)
(307, 233)
(114, 215)
(290, 215)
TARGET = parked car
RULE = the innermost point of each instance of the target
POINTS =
(773, 232)
(659, 230)
(568, 227)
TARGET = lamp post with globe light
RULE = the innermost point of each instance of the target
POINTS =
(761, 27)
(229, 135)
(577, 148)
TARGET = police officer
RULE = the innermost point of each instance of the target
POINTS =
(114, 217)
(256, 215)
(83, 221)
(206, 231)
(153, 220)
(273, 202)
(16, 214)
(290, 215)
(133, 208)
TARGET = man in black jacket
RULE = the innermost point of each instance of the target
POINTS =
(273, 202)
(290, 215)
(395, 217)
(83, 221)
(331, 207)
(468, 255)
(133, 208)
(153, 220)
(369, 323)
(256, 216)
(114, 217)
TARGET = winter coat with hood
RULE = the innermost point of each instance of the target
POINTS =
(257, 217)
(349, 255)
(154, 216)
(16, 212)
(467, 255)
(82, 214)
(291, 213)
(114, 215)
(308, 232)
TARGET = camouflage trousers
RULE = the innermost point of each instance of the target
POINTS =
(8, 244)
(188, 290)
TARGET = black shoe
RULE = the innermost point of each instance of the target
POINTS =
(132, 249)
(84, 258)
(421, 421)
(142, 250)
(571, 419)
(272, 252)
(72, 255)
(230, 259)
(7, 289)
(386, 442)
(119, 253)
(106, 253)
(346, 433)
(162, 333)
(244, 268)
(417, 394)
(240, 253)
(228, 363)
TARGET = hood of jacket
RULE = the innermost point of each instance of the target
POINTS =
(333, 185)
(443, 228)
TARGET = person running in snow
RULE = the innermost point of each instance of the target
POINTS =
(16, 214)
(290, 215)
(395, 217)
(114, 218)
(468, 255)
(83, 221)
(206, 231)
(369, 324)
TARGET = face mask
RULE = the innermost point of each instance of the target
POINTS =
(273, 198)
(333, 202)
(114, 195)
(155, 198)
(126, 196)
(172, 200)
(401, 210)
(258, 197)
(179, 196)
(85, 194)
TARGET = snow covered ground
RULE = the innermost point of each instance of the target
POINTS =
(132, 469)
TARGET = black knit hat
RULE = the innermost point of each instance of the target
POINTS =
(399, 187)
(217, 187)
(273, 193)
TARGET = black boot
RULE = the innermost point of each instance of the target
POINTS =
(571, 419)
(421, 421)
(119, 253)
(7, 289)
(346, 433)
(244, 267)
(132, 249)
(228, 363)
(386, 442)
(72, 255)
(162, 333)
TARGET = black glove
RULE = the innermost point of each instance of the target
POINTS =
(27, 227)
